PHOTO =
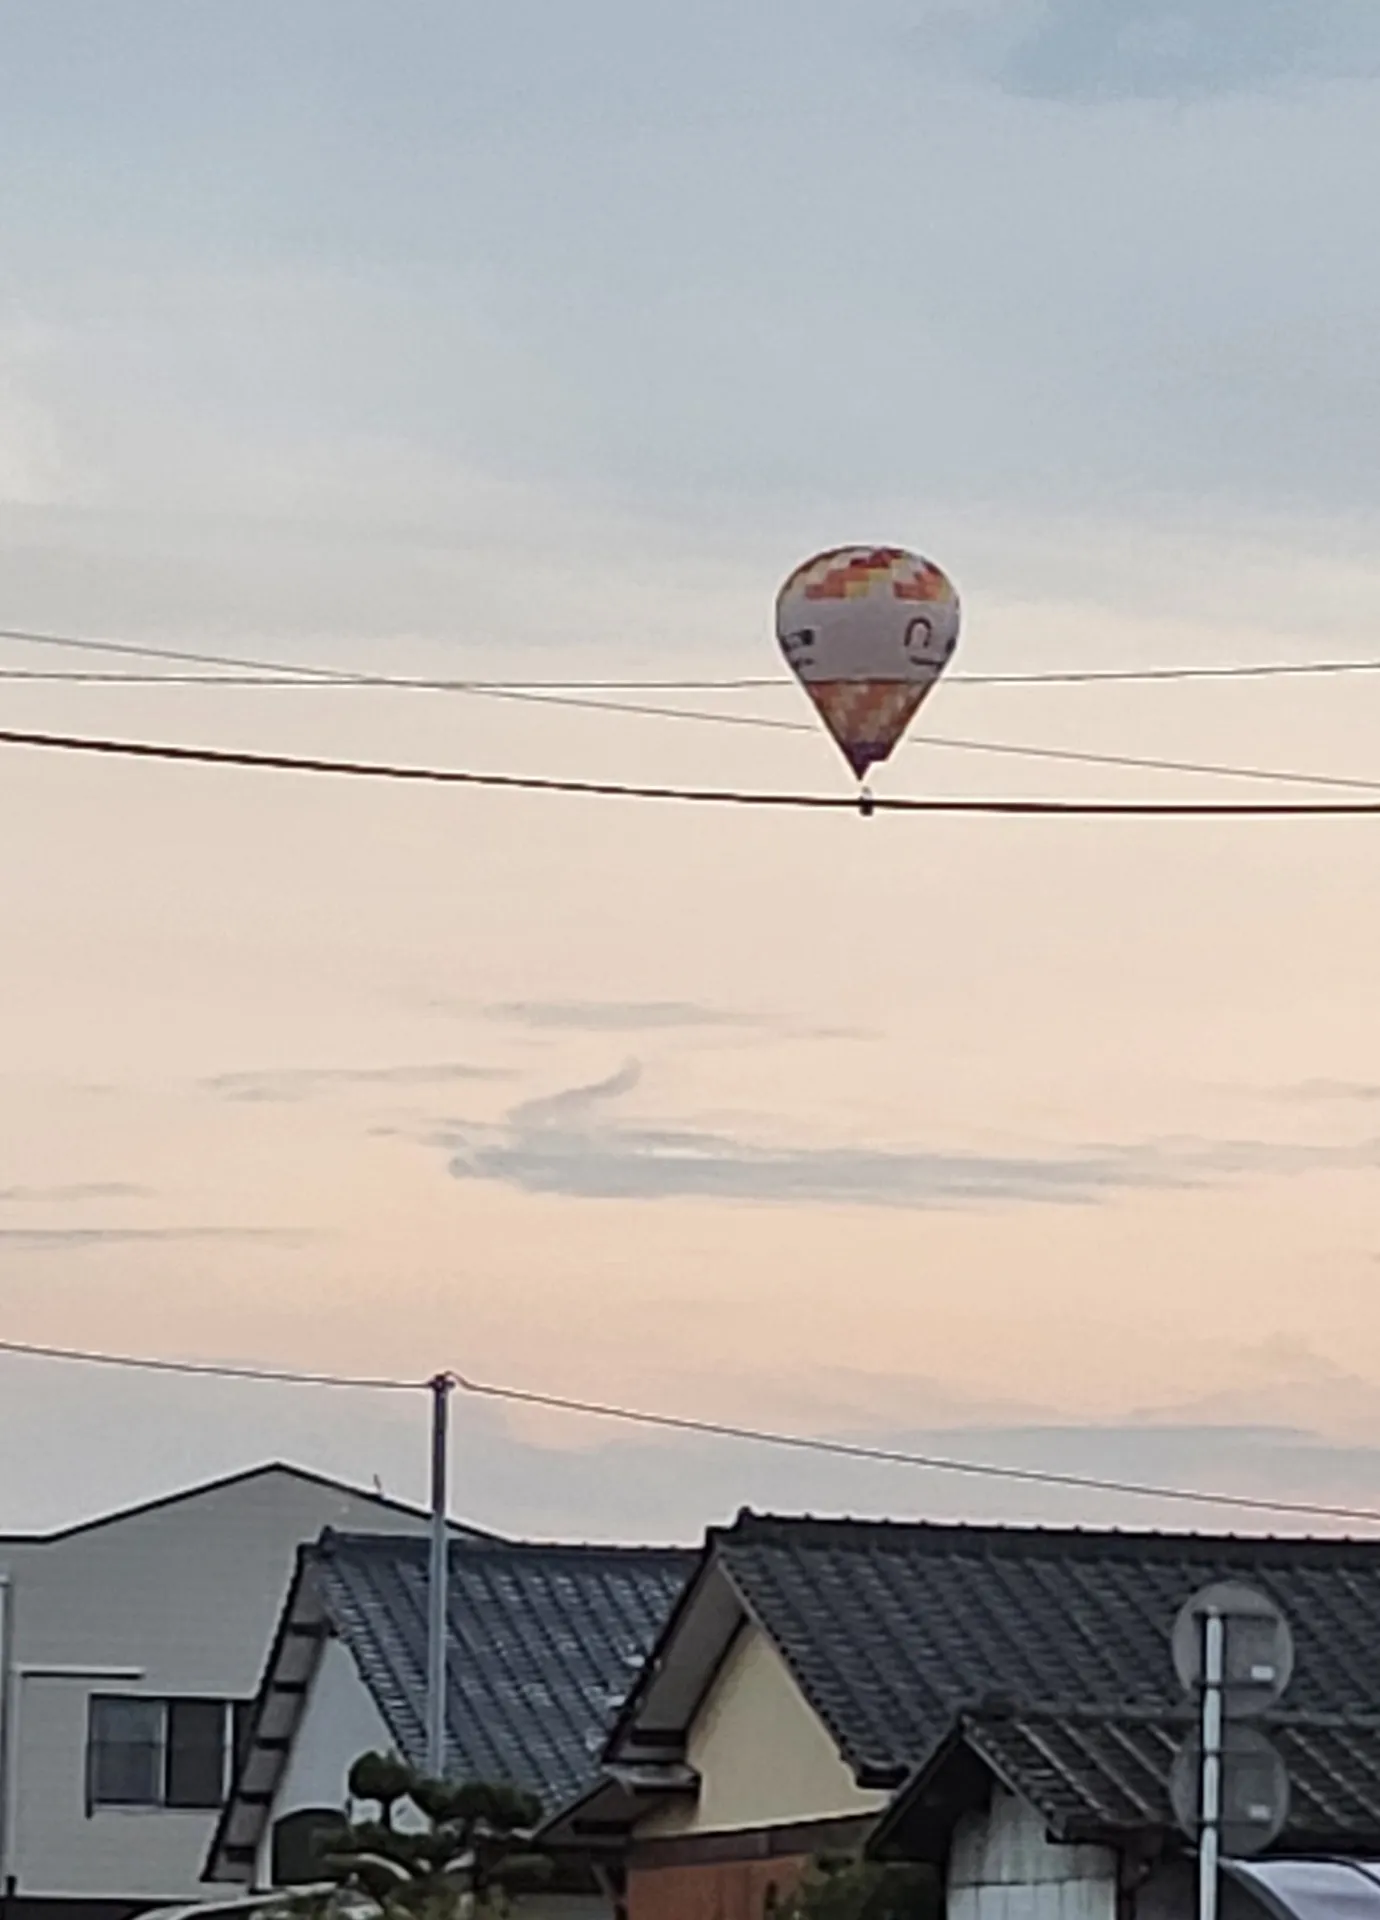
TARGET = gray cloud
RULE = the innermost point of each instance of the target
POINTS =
(1117, 49)
(71, 1239)
(73, 1194)
(617, 1016)
(1110, 333)
(284, 1084)
(1278, 1438)
(594, 1480)
(571, 1104)
(1355, 1092)
(568, 1143)
(645, 1488)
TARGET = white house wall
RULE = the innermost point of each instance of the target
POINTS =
(180, 1598)
(1002, 1866)
(339, 1722)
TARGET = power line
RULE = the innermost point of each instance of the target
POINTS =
(210, 1369)
(1091, 676)
(1216, 769)
(286, 674)
(955, 743)
(762, 722)
(1065, 677)
(712, 796)
(135, 650)
(897, 1456)
(90, 677)
(538, 694)
(713, 1429)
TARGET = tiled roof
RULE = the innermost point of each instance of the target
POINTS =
(1091, 1774)
(892, 1630)
(545, 1642)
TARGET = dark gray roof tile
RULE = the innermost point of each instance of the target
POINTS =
(545, 1642)
(893, 1629)
(1099, 1773)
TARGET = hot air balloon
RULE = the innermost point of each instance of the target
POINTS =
(867, 631)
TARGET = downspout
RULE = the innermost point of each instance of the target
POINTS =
(9, 1745)
(608, 1883)
(1135, 1862)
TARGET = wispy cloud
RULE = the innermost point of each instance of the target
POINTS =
(286, 1084)
(72, 1239)
(571, 1105)
(618, 1016)
(1169, 49)
(1355, 1092)
(74, 1194)
(570, 1142)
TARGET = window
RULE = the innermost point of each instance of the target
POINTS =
(143, 1752)
(196, 1752)
(125, 1752)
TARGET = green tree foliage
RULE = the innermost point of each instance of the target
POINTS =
(858, 1890)
(470, 1854)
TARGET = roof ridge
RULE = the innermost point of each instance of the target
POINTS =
(479, 1546)
(1101, 1778)
(843, 1530)
(993, 1711)
(216, 1483)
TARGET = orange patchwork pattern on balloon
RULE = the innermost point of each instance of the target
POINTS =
(866, 717)
(851, 573)
(867, 631)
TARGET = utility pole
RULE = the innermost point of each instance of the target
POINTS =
(438, 1581)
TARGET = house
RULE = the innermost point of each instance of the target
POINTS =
(544, 1643)
(999, 1702)
(132, 1645)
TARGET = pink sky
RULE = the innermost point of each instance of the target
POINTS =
(1089, 1108)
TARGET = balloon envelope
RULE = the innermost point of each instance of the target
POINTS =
(867, 631)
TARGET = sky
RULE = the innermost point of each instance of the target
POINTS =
(542, 342)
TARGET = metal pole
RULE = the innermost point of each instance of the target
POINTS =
(438, 1581)
(9, 1746)
(1210, 1834)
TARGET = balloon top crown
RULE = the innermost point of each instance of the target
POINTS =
(858, 573)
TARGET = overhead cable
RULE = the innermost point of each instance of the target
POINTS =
(711, 796)
(712, 1429)
(209, 1369)
(546, 696)
(902, 1457)
(1054, 677)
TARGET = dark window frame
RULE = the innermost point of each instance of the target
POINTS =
(102, 1744)
(196, 1768)
(182, 1760)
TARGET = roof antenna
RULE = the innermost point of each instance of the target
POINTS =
(378, 1487)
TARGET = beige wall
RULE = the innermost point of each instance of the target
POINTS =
(340, 1721)
(762, 1756)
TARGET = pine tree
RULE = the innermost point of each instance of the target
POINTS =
(847, 1889)
(466, 1858)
